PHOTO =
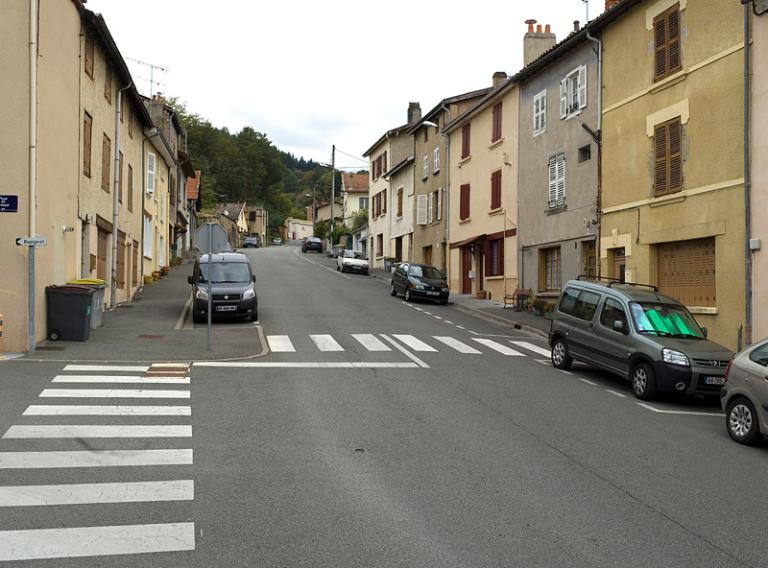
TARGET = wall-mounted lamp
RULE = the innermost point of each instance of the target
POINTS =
(67, 229)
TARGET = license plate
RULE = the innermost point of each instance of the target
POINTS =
(226, 308)
(714, 380)
(433, 293)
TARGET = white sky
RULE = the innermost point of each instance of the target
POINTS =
(310, 74)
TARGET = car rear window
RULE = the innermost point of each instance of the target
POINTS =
(579, 303)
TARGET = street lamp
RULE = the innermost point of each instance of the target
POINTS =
(314, 205)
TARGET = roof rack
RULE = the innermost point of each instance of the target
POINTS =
(615, 281)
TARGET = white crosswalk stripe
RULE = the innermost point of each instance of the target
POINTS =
(90, 493)
(107, 410)
(280, 344)
(457, 345)
(414, 343)
(326, 343)
(371, 342)
(113, 393)
(123, 368)
(99, 431)
(503, 349)
(116, 379)
(95, 458)
(531, 347)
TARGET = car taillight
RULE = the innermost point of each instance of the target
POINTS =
(728, 369)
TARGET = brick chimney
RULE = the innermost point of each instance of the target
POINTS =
(414, 112)
(611, 3)
(498, 79)
(537, 42)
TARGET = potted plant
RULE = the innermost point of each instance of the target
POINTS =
(539, 306)
(156, 275)
(164, 270)
(148, 279)
(481, 294)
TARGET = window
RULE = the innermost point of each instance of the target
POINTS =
(589, 267)
(421, 209)
(568, 301)
(760, 355)
(465, 141)
(87, 135)
(106, 158)
(400, 202)
(496, 190)
(556, 192)
(108, 83)
(380, 244)
(585, 153)
(150, 173)
(424, 167)
(668, 157)
(148, 237)
(120, 178)
(494, 257)
(430, 209)
(438, 198)
(384, 162)
(252, 215)
(666, 41)
(129, 187)
(436, 160)
(612, 311)
(89, 55)
(464, 202)
(586, 305)
(549, 269)
(573, 92)
(686, 271)
(362, 203)
(130, 127)
(540, 113)
(496, 123)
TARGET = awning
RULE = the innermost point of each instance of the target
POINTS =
(467, 242)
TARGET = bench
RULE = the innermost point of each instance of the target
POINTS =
(517, 299)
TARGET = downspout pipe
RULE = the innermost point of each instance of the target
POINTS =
(599, 197)
(747, 190)
(115, 190)
(32, 173)
(447, 193)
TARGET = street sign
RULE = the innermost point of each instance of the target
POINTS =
(218, 238)
(36, 241)
(9, 203)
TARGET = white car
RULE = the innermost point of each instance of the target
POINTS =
(352, 261)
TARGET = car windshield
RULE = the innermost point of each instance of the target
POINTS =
(425, 272)
(665, 319)
(225, 272)
(348, 254)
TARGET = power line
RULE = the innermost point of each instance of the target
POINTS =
(351, 156)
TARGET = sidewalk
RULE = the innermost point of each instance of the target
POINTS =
(150, 329)
(490, 309)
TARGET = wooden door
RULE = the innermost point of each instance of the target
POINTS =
(120, 277)
(466, 266)
(619, 264)
(101, 255)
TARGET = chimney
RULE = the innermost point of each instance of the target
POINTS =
(575, 25)
(414, 112)
(498, 79)
(610, 4)
(537, 42)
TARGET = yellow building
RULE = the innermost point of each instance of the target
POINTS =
(672, 196)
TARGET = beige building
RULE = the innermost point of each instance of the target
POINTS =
(84, 177)
(257, 223)
(354, 191)
(297, 229)
(483, 194)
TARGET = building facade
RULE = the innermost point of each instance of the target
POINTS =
(354, 191)
(401, 217)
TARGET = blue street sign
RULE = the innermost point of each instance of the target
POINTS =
(9, 203)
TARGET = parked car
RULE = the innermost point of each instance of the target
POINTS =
(251, 242)
(637, 333)
(232, 287)
(419, 281)
(351, 261)
(744, 397)
(336, 251)
(312, 243)
(277, 241)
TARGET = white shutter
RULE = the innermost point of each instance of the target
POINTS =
(430, 205)
(543, 111)
(563, 99)
(425, 166)
(150, 173)
(560, 190)
(421, 209)
(439, 195)
(552, 187)
(436, 154)
(582, 86)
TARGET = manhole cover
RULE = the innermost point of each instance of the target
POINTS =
(151, 336)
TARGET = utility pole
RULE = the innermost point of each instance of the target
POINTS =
(333, 188)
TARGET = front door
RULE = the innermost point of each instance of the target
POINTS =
(612, 346)
(466, 267)
(399, 249)
(619, 264)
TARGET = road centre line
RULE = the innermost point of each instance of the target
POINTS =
(404, 351)
(587, 381)
(117, 379)
(34, 544)
(98, 431)
(307, 365)
(113, 393)
(125, 368)
(95, 458)
(437, 317)
(107, 410)
(92, 493)
(616, 393)
(684, 412)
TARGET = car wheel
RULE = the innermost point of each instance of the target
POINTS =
(741, 421)
(560, 356)
(444, 302)
(392, 290)
(197, 319)
(644, 382)
(338, 268)
(408, 297)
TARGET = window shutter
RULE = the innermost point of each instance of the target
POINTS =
(464, 202)
(496, 190)
(536, 127)
(560, 194)
(430, 208)
(660, 43)
(385, 163)
(674, 130)
(421, 209)
(582, 86)
(439, 196)
(87, 135)
(660, 156)
(563, 99)
(552, 192)
(106, 159)
(673, 40)
(384, 201)
(487, 254)
(150, 173)
(425, 166)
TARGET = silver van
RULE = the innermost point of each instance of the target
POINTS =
(632, 330)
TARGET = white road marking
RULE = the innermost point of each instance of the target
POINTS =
(427, 313)
(449, 322)
(437, 317)
(113, 393)
(312, 365)
(125, 368)
(616, 393)
(101, 458)
(107, 410)
(90, 493)
(543, 361)
(457, 345)
(531, 347)
(370, 342)
(565, 372)
(461, 327)
(684, 412)
(404, 351)
(116, 379)
(179, 366)
(472, 332)
(326, 343)
(96, 541)
(414, 307)
(503, 349)
(413, 343)
(280, 344)
(587, 382)
(99, 431)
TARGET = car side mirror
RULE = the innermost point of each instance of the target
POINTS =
(618, 325)
(253, 278)
(704, 331)
(190, 279)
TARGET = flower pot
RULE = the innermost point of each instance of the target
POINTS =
(156, 275)
(164, 270)
(148, 279)
(481, 294)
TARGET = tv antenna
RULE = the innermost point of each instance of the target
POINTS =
(152, 68)
(586, 3)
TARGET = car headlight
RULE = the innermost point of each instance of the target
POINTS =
(419, 286)
(675, 357)
(249, 293)
(201, 294)
(443, 289)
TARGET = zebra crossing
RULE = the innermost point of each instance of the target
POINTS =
(326, 343)
(21, 456)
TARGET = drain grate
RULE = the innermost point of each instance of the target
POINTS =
(49, 348)
(151, 336)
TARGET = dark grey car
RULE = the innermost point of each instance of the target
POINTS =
(634, 331)
(419, 281)
(232, 287)
(744, 397)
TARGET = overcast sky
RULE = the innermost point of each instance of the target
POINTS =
(310, 74)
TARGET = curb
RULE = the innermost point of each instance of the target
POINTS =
(500, 320)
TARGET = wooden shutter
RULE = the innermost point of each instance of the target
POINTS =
(660, 155)
(150, 173)
(673, 40)
(496, 129)
(563, 98)
(101, 254)
(686, 271)
(560, 189)
(89, 55)
(399, 202)
(552, 182)
(108, 84)
(430, 208)
(121, 266)
(425, 166)
(464, 201)
(465, 141)
(135, 270)
(129, 187)
(384, 201)
(421, 209)
(660, 44)
(106, 158)
(384, 162)
(582, 86)
(675, 132)
(87, 137)
(668, 157)
(666, 40)
(496, 189)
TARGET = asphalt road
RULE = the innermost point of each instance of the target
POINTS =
(407, 435)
